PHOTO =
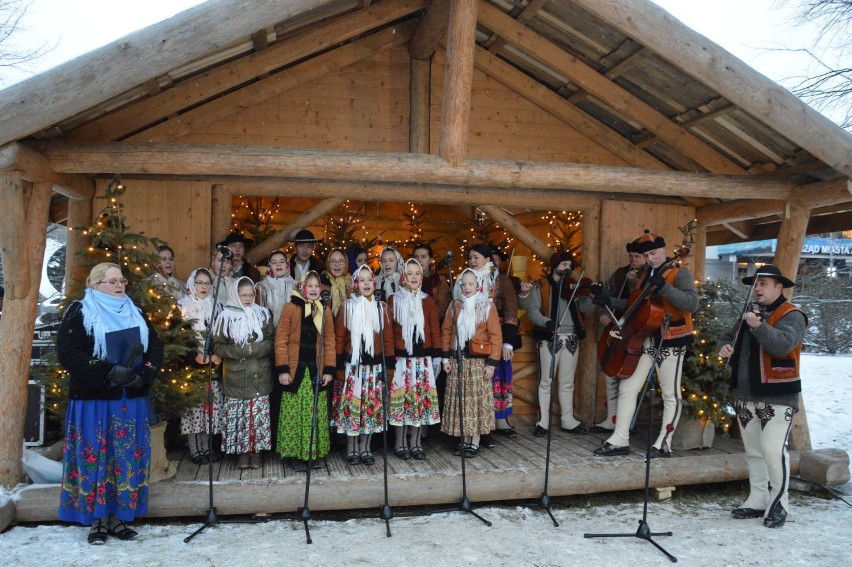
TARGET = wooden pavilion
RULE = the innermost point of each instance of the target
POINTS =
(608, 107)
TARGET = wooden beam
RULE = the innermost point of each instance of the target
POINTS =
(766, 230)
(819, 194)
(458, 80)
(34, 167)
(559, 107)
(420, 105)
(191, 92)
(285, 235)
(618, 98)
(91, 79)
(764, 99)
(260, 161)
(526, 14)
(433, 24)
(276, 84)
(22, 242)
(743, 229)
(79, 217)
(221, 202)
(519, 231)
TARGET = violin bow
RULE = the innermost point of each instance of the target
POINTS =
(573, 293)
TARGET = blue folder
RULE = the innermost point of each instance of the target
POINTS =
(119, 345)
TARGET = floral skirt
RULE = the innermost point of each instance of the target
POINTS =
(358, 402)
(413, 395)
(502, 381)
(247, 427)
(477, 401)
(106, 460)
(194, 420)
(294, 423)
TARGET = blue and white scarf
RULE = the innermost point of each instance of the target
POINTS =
(104, 313)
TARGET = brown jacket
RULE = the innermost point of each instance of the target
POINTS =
(431, 345)
(344, 342)
(487, 332)
(290, 354)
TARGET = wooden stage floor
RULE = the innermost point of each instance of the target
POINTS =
(514, 470)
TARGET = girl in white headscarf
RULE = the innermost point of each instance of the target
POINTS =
(363, 332)
(473, 328)
(197, 306)
(243, 337)
(274, 290)
(417, 340)
(389, 271)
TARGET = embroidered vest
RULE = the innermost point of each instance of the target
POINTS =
(681, 323)
(780, 369)
(540, 333)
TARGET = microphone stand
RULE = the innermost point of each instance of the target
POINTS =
(304, 511)
(644, 530)
(545, 498)
(211, 519)
(385, 512)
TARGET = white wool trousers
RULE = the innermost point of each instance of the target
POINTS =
(566, 366)
(765, 428)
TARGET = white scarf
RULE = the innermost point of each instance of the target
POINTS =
(362, 320)
(195, 308)
(274, 293)
(408, 312)
(485, 278)
(390, 283)
(474, 311)
(238, 323)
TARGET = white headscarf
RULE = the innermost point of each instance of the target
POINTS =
(362, 320)
(485, 278)
(389, 283)
(274, 292)
(474, 310)
(238, 323)
(195, 308)
(408, 310)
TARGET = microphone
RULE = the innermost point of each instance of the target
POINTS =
(325, 295)
(380, 294)
(227, 253)
(448, 259)
(563, 273)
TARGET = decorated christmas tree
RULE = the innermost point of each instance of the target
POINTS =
(345, 228)
(181, 384)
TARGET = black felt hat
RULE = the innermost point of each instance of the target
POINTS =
(304, 235)
(558, 257)
(769, 271)
(633, 246)
(237, 237)
(648, 241)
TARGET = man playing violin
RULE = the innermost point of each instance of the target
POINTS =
(765, 380)
(547, 312)
(620, 285)
(674, 289)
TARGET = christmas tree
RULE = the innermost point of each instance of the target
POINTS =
(343, 228)
(181, 384)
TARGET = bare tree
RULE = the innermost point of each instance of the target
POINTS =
(830, 88)
(12, 13)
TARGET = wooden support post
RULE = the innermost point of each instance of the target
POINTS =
(787, 256)
(586, 376)
(432, 26)
(284, 235)
(699, 260)
(22, 242)
(419, 119)
(519, 231)
(79, 215)
(33, 166)
(220, 212)
(455, 111)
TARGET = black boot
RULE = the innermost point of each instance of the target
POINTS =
(776, 516)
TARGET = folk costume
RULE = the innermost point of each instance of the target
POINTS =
(195, 423)
(314, 264)
(298, 340)
(473, 323)
(766, 381)
(417, 345)
(340, 288)
(676, 290)
(438, 288)
(169, 284)
(242, 268)
(243, 338)
(363, 327)
(273, 293)
(389, 283)
(547, 312)
(107, 436)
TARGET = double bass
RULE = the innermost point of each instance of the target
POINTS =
(620, 346)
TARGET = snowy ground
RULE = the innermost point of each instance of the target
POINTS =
(818, 530)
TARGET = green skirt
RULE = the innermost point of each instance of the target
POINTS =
(294, 423)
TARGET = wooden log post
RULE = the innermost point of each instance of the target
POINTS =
(419, 119)
(586, 376)
(220, 212)
(519, 231)
(79, 215)
(284, 235)
(787, 256)
(432, 26)
(699, 261)
(22, 243)
(455, 111)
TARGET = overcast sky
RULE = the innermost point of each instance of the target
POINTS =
(750, 29)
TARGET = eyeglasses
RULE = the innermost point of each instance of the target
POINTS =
(203, 284)
(247, 295)
(337, 262)
(114, 281)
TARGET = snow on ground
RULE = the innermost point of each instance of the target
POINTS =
(818, 531)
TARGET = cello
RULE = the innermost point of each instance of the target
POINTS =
(620, 346)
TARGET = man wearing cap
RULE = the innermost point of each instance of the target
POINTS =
(239, 244)
(675, 289)
(304, 261)
(547, 312)
(619, 286)
(765, 380)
